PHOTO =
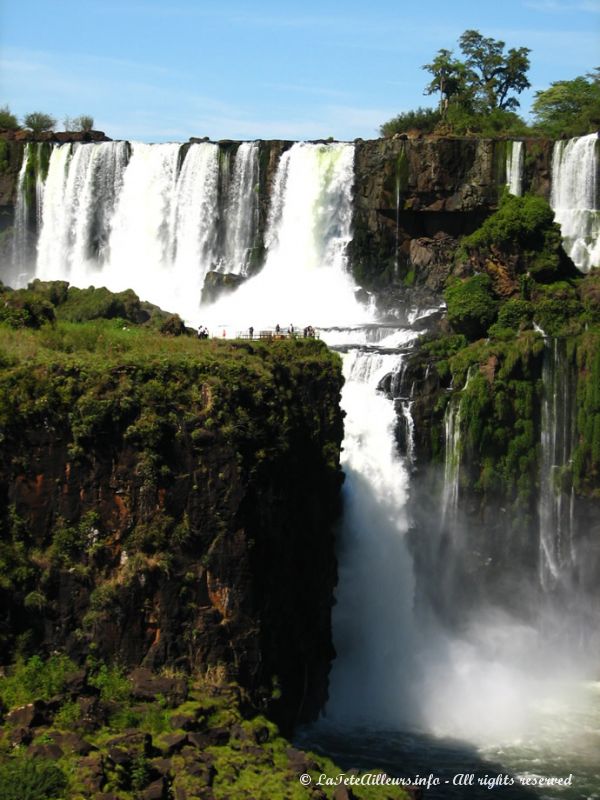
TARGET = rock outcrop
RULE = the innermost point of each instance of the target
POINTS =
(175, 506)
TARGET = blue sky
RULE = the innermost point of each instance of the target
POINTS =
(160, 71)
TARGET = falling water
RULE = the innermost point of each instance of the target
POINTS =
(79, 196)
(373, 613)
(575, 199)
(514, 168)
(557, 553)
(305, 277)
(241, 215)
(451, 460)
(21, 244)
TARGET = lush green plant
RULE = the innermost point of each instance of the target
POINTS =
(24, 309)
(82, 123)
(472, 306)
(112, 683)
(8, 121)
(569, 108)
(38, 121)
(23, 778)
(35, 679)
(422, 119)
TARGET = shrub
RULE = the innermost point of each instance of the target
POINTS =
(24, 309)
(8, 121)
(38, 121)
(30, 779)
(35, 679)
(472, 306)
(422, 119)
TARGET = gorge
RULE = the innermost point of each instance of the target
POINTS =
(469, 544)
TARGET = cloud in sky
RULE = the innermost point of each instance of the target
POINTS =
(565, 6)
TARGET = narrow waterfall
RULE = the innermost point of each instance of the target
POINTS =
(514, 168)
(21, 246)
(451, 461)
(557, 549)
(373, 619)
(575, 198)
(241, 212)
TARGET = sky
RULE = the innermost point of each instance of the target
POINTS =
(166, 71)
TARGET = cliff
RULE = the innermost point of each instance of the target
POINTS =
(169, 501)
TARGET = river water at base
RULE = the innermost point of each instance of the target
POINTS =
(563, 742)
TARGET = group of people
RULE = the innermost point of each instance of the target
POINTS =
(203, 332)
(308, 332)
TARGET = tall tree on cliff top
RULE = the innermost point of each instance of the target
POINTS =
(485, 80)
(569, 108)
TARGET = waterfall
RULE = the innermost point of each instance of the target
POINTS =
(241, 214)
(21, 236)
(308, 230)
(373, 613)
(451, 460)
(574, 198)
(556, 523)
(514, 168)
(79, 196)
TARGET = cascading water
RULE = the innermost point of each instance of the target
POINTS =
(575, 198)
(556, 519)
(514, 168)
(156, 224)
(21, 247)
(373, 639)
(241, 213)
(305, 277)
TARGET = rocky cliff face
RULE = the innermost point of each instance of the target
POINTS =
(416, 197)
(175, 508)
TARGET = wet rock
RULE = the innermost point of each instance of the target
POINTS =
(49, 751)
(157, 790)
(31, 715)
(146, 686)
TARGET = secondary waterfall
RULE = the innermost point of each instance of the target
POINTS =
(514, 168)
(575, 198)
(556, 519)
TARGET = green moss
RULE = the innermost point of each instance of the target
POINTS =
(472, 306)
(23, 778)
(35, 679)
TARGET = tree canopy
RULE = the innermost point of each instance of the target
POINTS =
(38, 121)
(486, 79)
(570, 108)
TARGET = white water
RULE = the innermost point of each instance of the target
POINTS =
(556, 504)
(305, 280)
(372, 632)
(241, 213)
(514, 168)
(575, 198)
(20, 247)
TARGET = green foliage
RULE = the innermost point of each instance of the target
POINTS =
(515, 315)
(586, 458)
(23, 778)
(522, 227)
(486, 78)
(35, 679)
(8, 121)
(24, 309)
(472, 306)
(569, 108)
(112, 683)
(461, 121)
(81, 305)
(421, 119)
(38, 121)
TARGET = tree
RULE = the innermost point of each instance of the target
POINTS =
(492, 73)
(569, 108)
(37, 121)
(485, 80)
(82, 123)
(8, 121)
(450, 79)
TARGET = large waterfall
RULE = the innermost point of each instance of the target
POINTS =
(575, 198)
(158, 219)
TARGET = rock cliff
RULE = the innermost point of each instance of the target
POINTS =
(170, 501)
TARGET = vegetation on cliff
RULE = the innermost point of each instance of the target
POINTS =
(515, 277)
(78, 733)
(167, 498)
